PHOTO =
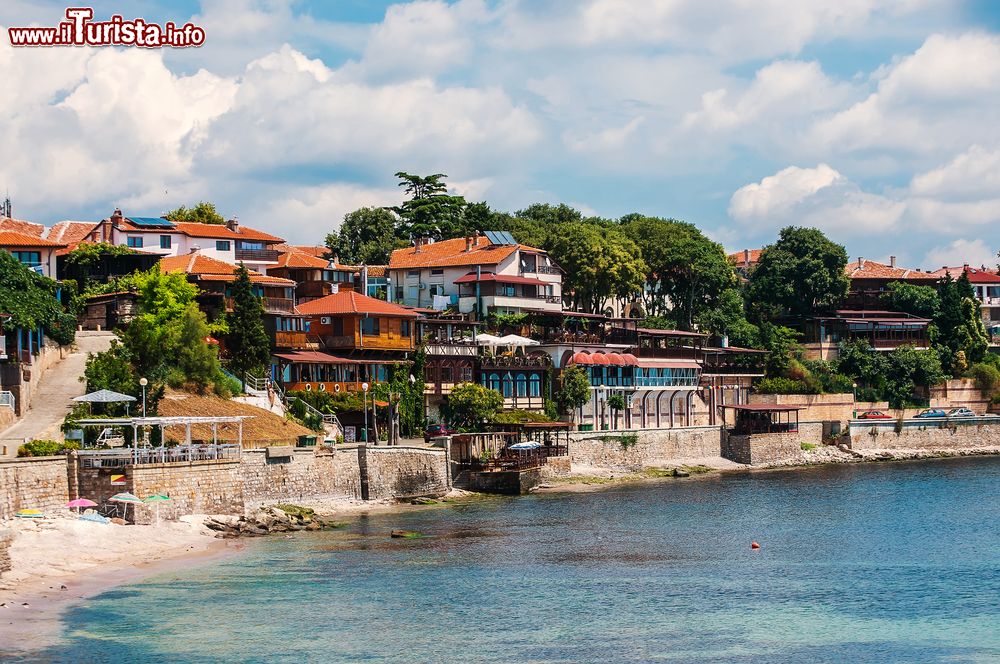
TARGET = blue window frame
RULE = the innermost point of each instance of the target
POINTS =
(245, 244)
(164, 242)
(521, 385)
(370, 326)
(222, 245)
(535, 385)
(30, 258)
(134, 242)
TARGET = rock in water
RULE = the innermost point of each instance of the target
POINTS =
(405, 534)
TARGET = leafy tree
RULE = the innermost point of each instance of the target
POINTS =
(801, 273)
(203, 213)
(599, 264)
(471, 404)
(574, 391)
(962, 338)
(111, 370)
(685, 271)
(367, 236)
(728, 318)
(780, 342)
(197, 359)
(987, 378)
(430, 210)
(30, 301)
(247, 343)
(907, 370)
(922, 301)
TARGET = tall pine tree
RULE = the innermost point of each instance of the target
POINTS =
(247, 342)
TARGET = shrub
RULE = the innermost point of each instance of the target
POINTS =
(41, 448)
(628, 440)
(807, 446)
(519, 417)
(781, 385)
(987, 378)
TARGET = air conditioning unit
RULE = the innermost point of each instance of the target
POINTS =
(423, 286)
(325, 320)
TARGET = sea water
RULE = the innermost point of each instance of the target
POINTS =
(895, 562)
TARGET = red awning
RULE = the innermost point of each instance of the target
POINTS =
(316, 357)
(485, 277)
(613, 359)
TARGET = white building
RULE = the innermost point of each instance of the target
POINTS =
(476, 274)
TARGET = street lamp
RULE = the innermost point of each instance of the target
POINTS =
(144, 383)
(854, 387)
(364, 432)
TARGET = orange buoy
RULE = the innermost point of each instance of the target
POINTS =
(754, 546)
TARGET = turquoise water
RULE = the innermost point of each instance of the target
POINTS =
(862, 563)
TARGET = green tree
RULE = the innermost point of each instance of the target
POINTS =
(922, 301)
(367, 236)
(801, 273)
(247, 343)
(685, 271)
(599, 264)
(574, 390)
(111, 370)
(909, 369)
(728, 318)
(197, 359)
(430, 211)
(202, 213)
(780, 343)
(30, 301)
(962, 338)
(471, 405)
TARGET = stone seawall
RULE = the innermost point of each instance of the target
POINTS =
(199, 487)
(654, 447)
(965, 434)
(403, 472)
(770, 448)
(33, 483)
(296, 479)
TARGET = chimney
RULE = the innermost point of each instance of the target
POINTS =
(892, 261)
(861, 262)
(746, 258)
(336, 260)
(195, 248)
(233, 224)
(469, 243)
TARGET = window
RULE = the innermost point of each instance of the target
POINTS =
(494, 382)
(465, 374)
(413, 274)
(535, 385)
(508, 386)
(222, 245)
(370, 326)
(437, 273)
(31, 258)
(521, 384)
(399, 294)
(436, 289)
(447, 374)
(134, 242)
(404, 328)
(164, 242)
(337, 327)
(244, 244)
(414, 293)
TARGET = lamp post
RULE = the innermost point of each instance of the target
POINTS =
(143, 382)
(854, 387)
(364, 432)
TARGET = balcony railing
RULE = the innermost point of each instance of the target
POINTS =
(294, 340)
(661, 381)
(279, 305)
(465, 350)
(146, 456)
(257, 255)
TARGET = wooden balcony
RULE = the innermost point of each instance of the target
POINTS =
(272, 305)
(295, 341)
(257, 255)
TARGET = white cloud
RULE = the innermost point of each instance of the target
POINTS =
(974, 172)
(776, 195)
(961, 252)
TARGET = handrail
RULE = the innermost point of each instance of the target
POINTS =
(326, 418)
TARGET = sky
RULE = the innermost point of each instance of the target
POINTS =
(875, 121)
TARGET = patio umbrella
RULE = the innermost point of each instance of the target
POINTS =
(530, 445)
(488, 340)
(157, 498)
(81, 502)
(29, 514)
(126, 499)
(517, 340)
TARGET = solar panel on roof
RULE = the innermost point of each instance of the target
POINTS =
(499, 238)
(159, 222)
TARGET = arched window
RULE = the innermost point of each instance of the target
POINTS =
(495, 382)
(521, 385)
(535, 385)
(508, 386)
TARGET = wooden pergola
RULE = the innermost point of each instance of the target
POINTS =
(762, 418)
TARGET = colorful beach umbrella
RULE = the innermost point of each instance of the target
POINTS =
(157, 498)
(81, 502)
(126, 499)
(29, 514)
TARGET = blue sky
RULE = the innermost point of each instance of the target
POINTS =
(878, 122)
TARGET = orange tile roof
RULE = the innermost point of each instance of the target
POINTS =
(352, 302)
(452, 253)
(976, 275)
(318, 252)
(866, 269)
(296, 259)
(739, 257)
(71, 232)
(20, 226)
(193, 229)
(16, 239)
(378, 270)
(206, 268)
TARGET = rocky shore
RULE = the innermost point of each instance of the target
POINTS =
(270, 520)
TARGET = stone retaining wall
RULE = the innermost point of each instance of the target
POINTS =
(33, 483)
(198, 487)
(401, 472)
(766, 448)
(956, 434)
(6, 539)
(306, 474)
(655, 447)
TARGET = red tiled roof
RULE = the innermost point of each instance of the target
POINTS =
(976, 275)
(71, 232)
(213, 231)
(296, 259)
(866, 269)
(20, 226)
(378, 270)
(452, 253)
(16, 239)
(740, 257)
(352, 302)
(206, 268)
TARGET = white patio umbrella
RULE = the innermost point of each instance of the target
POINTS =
(517, 340)
(488, 340)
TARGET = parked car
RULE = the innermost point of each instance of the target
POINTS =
(931, 413)
(961, 412)
(435, 430)
(874, 415)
